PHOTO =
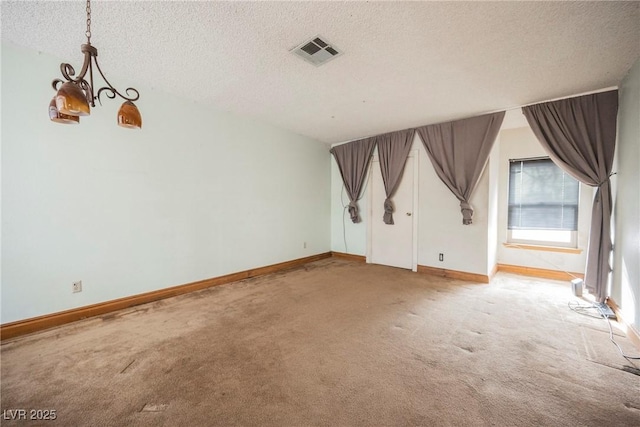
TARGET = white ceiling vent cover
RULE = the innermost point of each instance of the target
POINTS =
(317, 51)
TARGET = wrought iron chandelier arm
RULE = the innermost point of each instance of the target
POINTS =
(111, 91)
(68, 72)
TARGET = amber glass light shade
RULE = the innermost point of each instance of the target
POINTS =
(58, 117)
(129, 116)
(71, 100)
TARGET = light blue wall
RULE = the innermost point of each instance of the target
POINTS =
(195, 194)
(626, 274)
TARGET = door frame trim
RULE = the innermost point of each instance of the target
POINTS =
(415, 155)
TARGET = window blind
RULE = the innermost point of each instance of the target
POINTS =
(541, 196)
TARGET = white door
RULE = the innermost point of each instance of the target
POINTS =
(393, 245)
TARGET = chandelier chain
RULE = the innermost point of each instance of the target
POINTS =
(88, 33)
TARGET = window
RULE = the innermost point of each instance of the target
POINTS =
(543, 203)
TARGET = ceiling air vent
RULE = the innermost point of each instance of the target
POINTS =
(317, 50)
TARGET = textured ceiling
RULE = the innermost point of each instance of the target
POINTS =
(405, 64)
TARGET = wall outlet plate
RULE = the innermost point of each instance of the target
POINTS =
(77, 286)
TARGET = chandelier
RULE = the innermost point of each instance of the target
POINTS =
(76, 95)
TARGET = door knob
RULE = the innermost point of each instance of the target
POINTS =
(408, 213)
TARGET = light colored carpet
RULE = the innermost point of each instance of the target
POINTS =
(333, 343)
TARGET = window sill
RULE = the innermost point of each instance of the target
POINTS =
(542, 248)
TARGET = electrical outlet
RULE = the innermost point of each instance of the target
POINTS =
(441, 257)
(304, 245)
(77, 286)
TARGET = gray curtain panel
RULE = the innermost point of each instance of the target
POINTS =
(459, 151)
(353, 159)
(393, 149)
(579, 134)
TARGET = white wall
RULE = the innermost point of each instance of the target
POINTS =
(521, 143)
(195, 194)
(626, 274)
(440, 228)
